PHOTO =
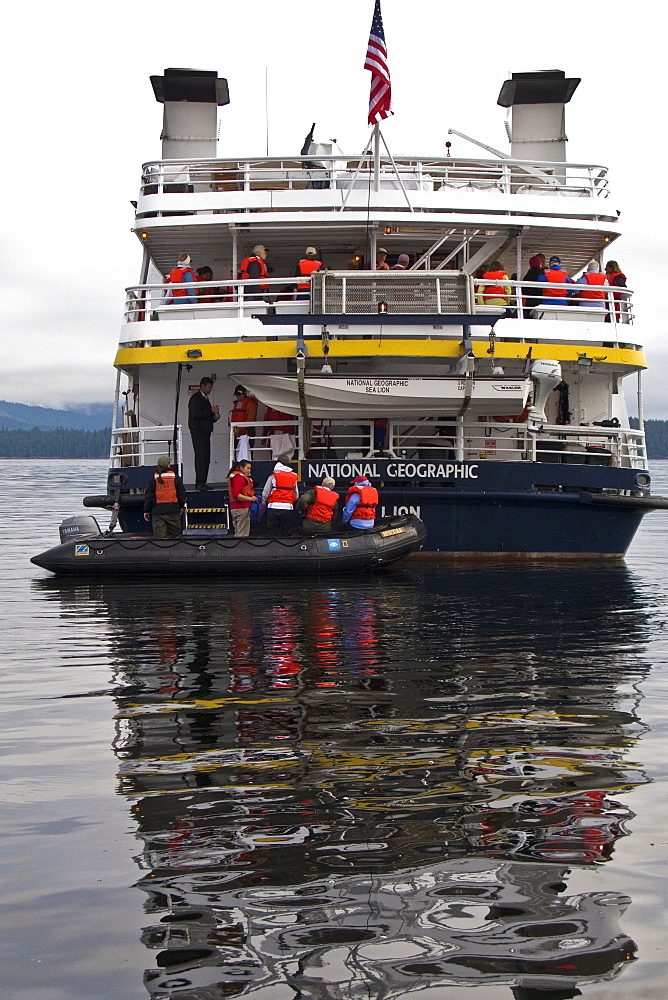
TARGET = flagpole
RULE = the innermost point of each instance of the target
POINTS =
(376, 157)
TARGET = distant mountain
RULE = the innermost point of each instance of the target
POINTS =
(86, 417)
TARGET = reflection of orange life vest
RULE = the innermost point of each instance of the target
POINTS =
(366, 508)
(165, 491)
(243, 269)
(245, 496)
(176, 278)
(323, 507)
(594, 278)
(306, 268)
(558, 278)
(243, 409)
(284, 490)
(495, 291)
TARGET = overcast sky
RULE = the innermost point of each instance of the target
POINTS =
(80, 118)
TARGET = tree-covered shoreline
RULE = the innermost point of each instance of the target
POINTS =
(61, 442)
(69, 442)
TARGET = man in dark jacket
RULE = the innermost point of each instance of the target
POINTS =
(201, 418)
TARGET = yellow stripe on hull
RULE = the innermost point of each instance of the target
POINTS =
(619, 357)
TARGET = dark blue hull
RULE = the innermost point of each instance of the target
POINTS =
(485, 508)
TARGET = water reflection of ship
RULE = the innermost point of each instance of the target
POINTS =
(285, 748)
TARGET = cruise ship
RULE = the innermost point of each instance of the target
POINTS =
(502, 425)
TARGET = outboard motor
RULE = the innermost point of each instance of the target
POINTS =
(78, 526)
(546, 376)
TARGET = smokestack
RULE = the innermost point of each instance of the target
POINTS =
(538, 101)
(191, 98)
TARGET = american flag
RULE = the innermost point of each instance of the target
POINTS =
(380, 98)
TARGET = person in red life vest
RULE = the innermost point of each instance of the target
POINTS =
(304, 269)
(361, 503)
(255, 267)
(210, 294)
(182, 274)
(494, 290)
(593, 295)
(242, 496)
(165, 500)
(616, 279)
(379, 434)
(280, 495)
(555, 275)
(381, 263)
(318, 505)
(280, 438)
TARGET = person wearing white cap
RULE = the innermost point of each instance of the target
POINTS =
(318, 505)
(305, 268)
(180, 275)
(255, 267)
(593, 296)
(381, 263)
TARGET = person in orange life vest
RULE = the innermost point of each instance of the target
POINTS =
(164, 501)
(280, 494)
(616, 279)
(242, 496)
(593, 295)
(318, 505)
(201, 418)
(255, 267)
(493, 291)
(182, 274)
(304, 269)
(381, 263)
(244, 408)
(206, 294)
(555, 275)
(361, 503)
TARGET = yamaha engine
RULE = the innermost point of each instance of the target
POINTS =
(78, 526)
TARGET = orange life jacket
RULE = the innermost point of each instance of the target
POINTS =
(243, 269)
(495, 291)
(246, 494)
(366, 508)
(593, 289)
(284, 490)
(176, 278)
(556, 277)
(323, 507)
(243, 409)
(165, 491)
(271, 414)
(306, 268)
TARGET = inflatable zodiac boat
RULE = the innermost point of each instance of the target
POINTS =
(85, 552)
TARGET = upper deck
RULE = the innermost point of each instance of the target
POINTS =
(453, 211)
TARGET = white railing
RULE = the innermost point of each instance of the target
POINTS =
(548, 300)
(361, 292)
(427, 438)
(337, 174)
(515, 442)
(143, 445)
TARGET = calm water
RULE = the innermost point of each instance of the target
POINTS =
(401, 786)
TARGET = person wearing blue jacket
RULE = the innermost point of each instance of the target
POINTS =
(361, 502)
